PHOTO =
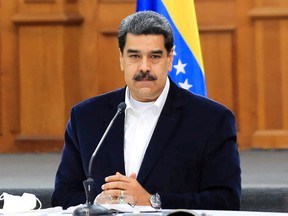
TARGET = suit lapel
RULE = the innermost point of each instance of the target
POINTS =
(116, 143)
(159, 140)
(115, 138)
(163, 130)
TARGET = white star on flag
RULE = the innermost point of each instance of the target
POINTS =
(185, 85)
(180, 67)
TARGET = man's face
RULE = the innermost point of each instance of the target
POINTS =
(146, 64)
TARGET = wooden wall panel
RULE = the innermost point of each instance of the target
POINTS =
(9, 76)
(48, 47)
(284, 70)
(55, 53)
(99, 50)
(219, 42)
(271, 3)
(268, 76)
(71, 71)
(219, 68)
(245, 70)
(1, 106)
(215, 12)
(271, 68)
(108, 28)
(110, 66)
(41, 80)
(88, 46)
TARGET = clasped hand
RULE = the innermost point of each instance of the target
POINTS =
(121, 185)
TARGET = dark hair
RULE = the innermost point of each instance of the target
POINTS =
(146, 22)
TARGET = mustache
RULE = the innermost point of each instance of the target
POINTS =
(144, 75)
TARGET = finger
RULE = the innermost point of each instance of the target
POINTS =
(112, 178)
(117, 177)
(133, 176)
(113, 193)
(118, 185)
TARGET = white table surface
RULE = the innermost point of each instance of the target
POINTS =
(59, 212)
(202, 213)
(238, 213)
(208, 213)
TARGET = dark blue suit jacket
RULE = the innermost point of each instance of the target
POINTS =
(192, 159)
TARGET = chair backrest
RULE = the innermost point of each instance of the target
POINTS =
(264, 199)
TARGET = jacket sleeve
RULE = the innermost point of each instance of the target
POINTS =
(220, 186)
(70, 175)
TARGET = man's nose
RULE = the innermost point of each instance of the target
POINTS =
(144, 64)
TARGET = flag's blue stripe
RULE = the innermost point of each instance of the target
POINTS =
(193, 71)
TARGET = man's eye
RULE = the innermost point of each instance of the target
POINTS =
(155, 56)
(134, 56)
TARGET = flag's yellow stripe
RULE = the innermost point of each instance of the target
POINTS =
(182, 12)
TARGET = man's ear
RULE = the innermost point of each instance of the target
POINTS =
(170, 57)
(121, 60)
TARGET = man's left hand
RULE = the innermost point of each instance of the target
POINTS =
(119, 184)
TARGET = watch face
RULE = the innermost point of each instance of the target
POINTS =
(155, 201)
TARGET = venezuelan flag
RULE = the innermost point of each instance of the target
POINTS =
(188, 69)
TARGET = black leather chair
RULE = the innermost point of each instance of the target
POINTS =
(264, 199)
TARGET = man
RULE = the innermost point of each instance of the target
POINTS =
(170, 149)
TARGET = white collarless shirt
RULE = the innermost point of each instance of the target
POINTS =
(140, 121)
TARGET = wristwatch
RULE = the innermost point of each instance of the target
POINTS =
(155, 201)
